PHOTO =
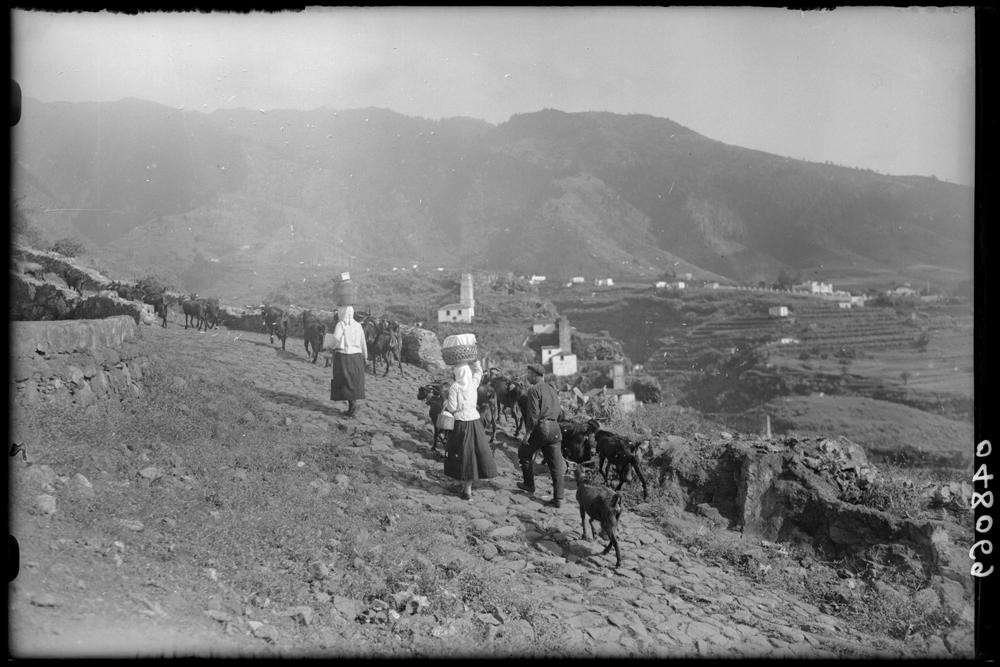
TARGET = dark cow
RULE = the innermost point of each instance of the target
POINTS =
(194, 311)
(485, 405)
(371, 329)
(313, 331)
(388, 343)
(506, 391)
(579, 440)
(275, 322)
(433, 396)
(159, 304)
(74, 280)
(622, 453)
(210, 313)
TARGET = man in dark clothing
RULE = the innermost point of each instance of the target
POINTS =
(541, 408)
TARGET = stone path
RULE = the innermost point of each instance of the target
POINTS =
(663, 601)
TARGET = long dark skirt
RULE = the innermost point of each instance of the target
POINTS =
(468, 451)
(348, 382)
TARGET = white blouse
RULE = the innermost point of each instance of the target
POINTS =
(462, 404)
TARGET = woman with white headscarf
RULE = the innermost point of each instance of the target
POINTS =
(349, 354)
(468, 452)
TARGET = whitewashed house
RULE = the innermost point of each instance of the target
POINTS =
(564, 364)
(456, 312)
(660, 284)
(549, 351)
(534, 280)
(778, 311)
(604, 282)
(577, 280)
(465, 309)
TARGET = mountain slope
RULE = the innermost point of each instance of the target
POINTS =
(548, 192)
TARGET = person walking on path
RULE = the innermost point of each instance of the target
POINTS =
(541, 432)
(468, 453)
(349, 354)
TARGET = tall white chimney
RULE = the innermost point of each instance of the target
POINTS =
(468, 299)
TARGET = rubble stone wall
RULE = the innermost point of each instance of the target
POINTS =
(75, 362)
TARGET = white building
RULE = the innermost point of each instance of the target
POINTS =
(564, 364)
(815, 287)
(713, 285)
(465, 309)
(456, 312)
(681, 284)
(534, 280)
(844, 305)
(858, 300)
(778, 311)
(660, 284)
(577, 280)
(549, 351)
(604, 282)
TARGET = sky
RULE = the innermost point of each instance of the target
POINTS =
(883, 88)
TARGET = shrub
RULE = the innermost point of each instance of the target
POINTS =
(68, 247)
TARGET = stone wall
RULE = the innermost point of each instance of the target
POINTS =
(76, 362)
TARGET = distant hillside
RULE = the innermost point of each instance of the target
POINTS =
(556, 193)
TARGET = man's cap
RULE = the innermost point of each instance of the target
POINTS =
(537, 368)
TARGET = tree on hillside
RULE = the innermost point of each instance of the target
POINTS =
(68, 247)
(787, 278)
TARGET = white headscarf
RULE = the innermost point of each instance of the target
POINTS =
(347, 315)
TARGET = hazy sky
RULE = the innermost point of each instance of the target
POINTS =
(891, 89)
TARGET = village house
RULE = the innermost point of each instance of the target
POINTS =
(534, 280)
(778, 311)
(604, 282)
(660, 284)
(464, 310)
(577, 280)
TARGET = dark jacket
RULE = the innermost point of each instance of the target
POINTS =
(541, 405)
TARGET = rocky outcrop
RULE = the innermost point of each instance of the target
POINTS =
(78, 362)
(421, 347)
(808, 491)
(33, 300)
(59, 268)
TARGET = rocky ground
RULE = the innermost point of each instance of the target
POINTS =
(665, 600)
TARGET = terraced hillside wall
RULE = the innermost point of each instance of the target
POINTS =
(75, 362)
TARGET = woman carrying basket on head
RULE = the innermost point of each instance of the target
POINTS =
(349, 354)
(468, 452)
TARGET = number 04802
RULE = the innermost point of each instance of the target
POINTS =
(984, 523)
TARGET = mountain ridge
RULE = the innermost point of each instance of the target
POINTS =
(544, 192)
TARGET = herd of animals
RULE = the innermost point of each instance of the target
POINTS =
(500, 396)
(503, 396)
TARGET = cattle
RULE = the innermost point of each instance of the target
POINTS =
(159, 304)
(433, 396)
(74, 280)
(485, 405)
(622, 453)
(371, 329)
(275, 322)
(210, 313)
(313, 331)
(388, 343)
(579, 439)
(193, 312)
(506, 392)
